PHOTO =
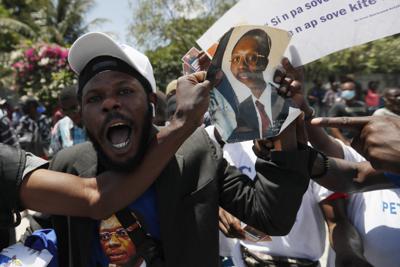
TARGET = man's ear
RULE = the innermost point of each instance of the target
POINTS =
(153, 103)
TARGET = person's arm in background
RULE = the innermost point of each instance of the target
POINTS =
(378, 139)
(60, 193)
(343, 236)
(343, 176)
(347, 176)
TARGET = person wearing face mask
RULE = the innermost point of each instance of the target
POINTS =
(347, 107)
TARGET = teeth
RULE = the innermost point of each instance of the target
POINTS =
(121, 145)
(117, 124)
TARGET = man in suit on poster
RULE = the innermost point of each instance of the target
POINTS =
(263, 112)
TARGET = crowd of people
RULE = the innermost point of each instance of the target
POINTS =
(132, 176)
(29, 127)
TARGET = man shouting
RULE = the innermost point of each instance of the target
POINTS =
(175, 222)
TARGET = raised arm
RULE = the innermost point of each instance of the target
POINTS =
(270, 202)
(378, 139)
(343, 236)
(98, 197)
(349, 177)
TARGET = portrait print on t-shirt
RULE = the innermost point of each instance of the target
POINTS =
(116, 243)
(245, 104)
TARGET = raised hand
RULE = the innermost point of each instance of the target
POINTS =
(378, 138)
(291, 82)
(230, 225)
(192, 99)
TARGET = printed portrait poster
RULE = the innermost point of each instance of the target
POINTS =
(117, 245)
(190, 61)
(245, 104)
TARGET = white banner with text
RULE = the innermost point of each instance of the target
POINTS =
(318, 27)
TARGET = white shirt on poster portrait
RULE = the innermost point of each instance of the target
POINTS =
(265, 99)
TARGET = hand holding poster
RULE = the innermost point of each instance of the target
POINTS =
(245, 104)
(318, 27)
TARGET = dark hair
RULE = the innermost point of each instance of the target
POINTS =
(68, 92)
(331, 78)
(346, 79)
(386, 92)
(262, 38)
(373, 84)
(28, 103)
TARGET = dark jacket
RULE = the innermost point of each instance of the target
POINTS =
(190, 189)
(247, 120)
(12, 165)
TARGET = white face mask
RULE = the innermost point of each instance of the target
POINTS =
(348, 94)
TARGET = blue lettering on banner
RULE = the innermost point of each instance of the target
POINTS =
(391, 207)
(384, 206)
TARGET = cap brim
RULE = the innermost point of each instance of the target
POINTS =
(90, 46)
(96, 44)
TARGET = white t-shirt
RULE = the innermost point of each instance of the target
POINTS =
(307, 237)
(240, 155)
(376, 216)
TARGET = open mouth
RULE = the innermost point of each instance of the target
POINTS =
(244, 76)
(118, 134)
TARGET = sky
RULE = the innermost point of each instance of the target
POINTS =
(118, 14)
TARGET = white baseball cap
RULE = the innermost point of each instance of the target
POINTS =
(95, 44)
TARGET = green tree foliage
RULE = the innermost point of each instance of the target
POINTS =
(12, 30)
(167, 29)
(32, 25)
(56, 21)
(380, 56)
(25, 11)
(63, 20)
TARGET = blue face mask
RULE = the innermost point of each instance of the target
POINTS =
(348, 94)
